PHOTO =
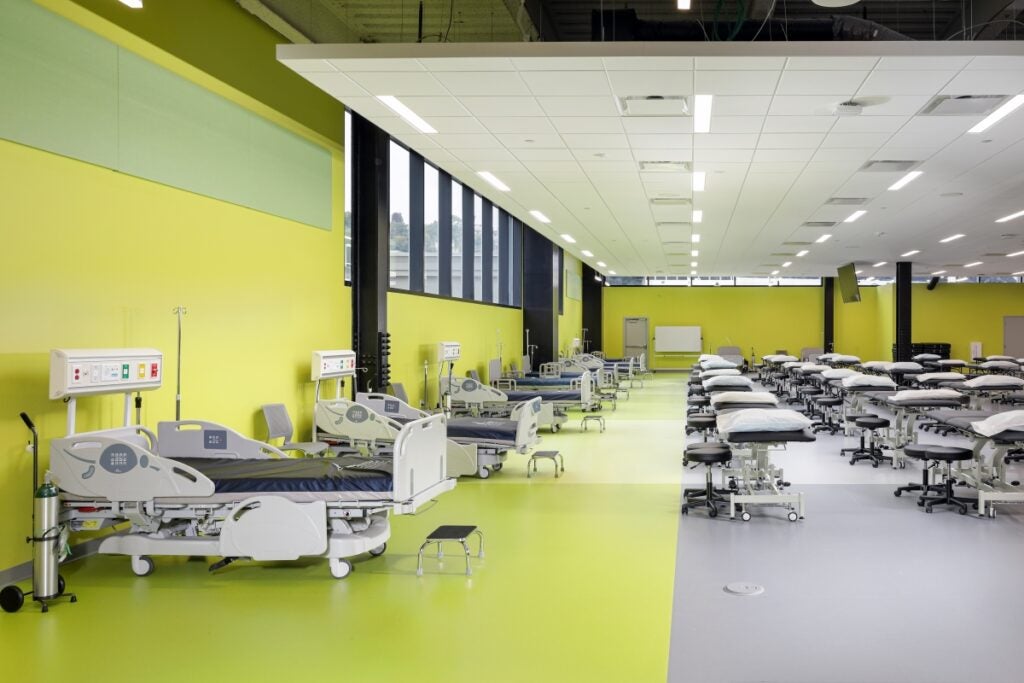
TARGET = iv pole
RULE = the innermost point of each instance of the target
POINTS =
(178, 311)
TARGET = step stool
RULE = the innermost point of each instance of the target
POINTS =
(554, 456)
(450, 532)
(587, 419)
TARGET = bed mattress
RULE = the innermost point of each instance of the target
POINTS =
(565, 375)
(306, 475)
(551, 395)
(544, 381)
(482, 429)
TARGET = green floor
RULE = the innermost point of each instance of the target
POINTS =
(576, 586)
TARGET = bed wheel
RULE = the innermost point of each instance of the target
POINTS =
(11, 599)
(379, 550)
(897, 493)
(497, 468)
(991, 512)
(142, 565)
(483, 472)
(340, 568)
(555, 428)
(792, 516)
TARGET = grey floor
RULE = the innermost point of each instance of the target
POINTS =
(868, 588)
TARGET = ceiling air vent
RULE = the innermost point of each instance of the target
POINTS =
(818, 224)
(847, 201)
(670, 201)
(654, 105)
(887, 166)
(962, 105)
(665, 166)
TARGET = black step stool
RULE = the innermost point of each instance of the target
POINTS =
(450, 532)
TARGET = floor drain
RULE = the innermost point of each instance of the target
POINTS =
(743, 588)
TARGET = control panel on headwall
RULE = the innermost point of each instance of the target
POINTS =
(333, 365)
(447, 353)
(88, 372)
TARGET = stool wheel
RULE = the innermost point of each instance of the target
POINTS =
(712, 511)
(745, 516)
(792, 516)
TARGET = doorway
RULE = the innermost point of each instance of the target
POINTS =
(634, 337)
(1013, 336)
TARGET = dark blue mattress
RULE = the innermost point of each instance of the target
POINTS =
(565, 375)
(549, 395)
(482, 429)
(347, 473)
(543, 382)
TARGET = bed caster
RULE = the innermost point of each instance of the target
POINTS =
(483, 472)
(928, 510)
(852, 462)
(497, 468)
(555, 428)
(12, 599)
(712, 512)
(685, 510)
(792, 516)
(920, 503)
(142, 565)
(61, 586)
(379, 550)
(340, 568)
(962, 511)
(875, 465)
(745, 516)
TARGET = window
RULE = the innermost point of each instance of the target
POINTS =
(431, 227)
(496, 247)
(478, 231)
(456, 239)
(399, 196)
(348, 197)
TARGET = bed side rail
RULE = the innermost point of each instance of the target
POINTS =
(420, 460)
(200, 439)
(471, 392)
(389, 406)
(356, 422)
(527, 414)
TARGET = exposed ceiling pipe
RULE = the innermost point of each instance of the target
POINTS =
(274, 21)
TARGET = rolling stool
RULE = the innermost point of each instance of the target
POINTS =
(709, 497)
(808, 394)
(850, 419)
(948, 455)
(455, 533)
(702, 424)
(827, 404)
(868, 426)
(919, 452)
(697, 404)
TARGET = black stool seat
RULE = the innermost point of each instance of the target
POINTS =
(701, 421)
(828, 400)
(699, 401)
(853, 417)
(705, 445)
(917, 451)
(708, 456)
(811, 391)
(871, 422)
(949, 453)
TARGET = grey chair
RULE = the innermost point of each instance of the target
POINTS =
(811, 353)
(474, 374)
(279, 426)
(397, 389)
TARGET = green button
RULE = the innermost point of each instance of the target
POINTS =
(124, 371)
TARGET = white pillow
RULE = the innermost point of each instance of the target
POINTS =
(732, 372)
(905, 366)
(939, 377)
(999, 365)
(1000, 422)
(994, 380)
(826, 356)
(779, 358)
(869, 381)
(838, 373)
(926, 356)
(762, 420)
(841, 358)
(717, 364)
(706, 356)
(744, 397)
(911, 395)
(727, 381)
(812, 368)
(951, 363)
(793, 364)
(876, 365)
(1000, 358)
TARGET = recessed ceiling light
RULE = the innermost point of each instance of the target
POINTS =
(905, 180)
(787, 264)
(972, 264)
(568, 238)
(134, 4)
(998, 115)
(694, 252)
(702, 113)
(695, 238)
(854, 216)
(693, 264)
(802, 253)
(490, 177)
(699, 180)
(879, 264)
(1016, 253)
(775, 272)
(857, 272)
(698, 216)
(951, 238)
(1019, 272)
(1004, 219)
(588, 254)
(823, 238)
(612, 272)
(539, 216)
(602, 264)
(411, 117)
(939, 272)
(910, 253)
(683, 4)
(693, 272)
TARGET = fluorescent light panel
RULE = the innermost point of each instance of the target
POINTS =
(693, 264)
(904, 181)
(490, 177)
(702, 113)
(693, 272)
(939, 272)
(683, 4)
(1004, 219)
(857, 272)
(854, 216)
(588, 254)
(602, 264)
(998, 115)
(694, 252)
(787, 264)
(698, 216)
(134, 4)
(695, 238)
(910, 253)
(1016, 253)
(775, 272)
(411, 117)
(879, 264)
(950, 239)
(802, 253)
(539, 216)
(568, 238)
(822, 239)
(612, 272)
(972, 264)
(699, 181)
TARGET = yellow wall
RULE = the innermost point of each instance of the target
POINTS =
(764, 319)
(95, 258)
(860, 328)
(417, 323)
(570, 322)
(962, 313)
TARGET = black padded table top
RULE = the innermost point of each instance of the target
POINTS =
(929, 402)
(451, 532)
(273, 475)
(726, 407)
(770, 437)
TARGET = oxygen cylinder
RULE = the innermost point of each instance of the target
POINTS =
(45, 541)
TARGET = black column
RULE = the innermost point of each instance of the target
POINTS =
(416, 278)
(370, 248)
(903, 294)
(593, 291)
(828, 336)
(468, 243)
(487, 247)
(505, 258)
(540, 305)
(444, 234)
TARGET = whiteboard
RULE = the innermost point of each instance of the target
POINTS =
(677, 339)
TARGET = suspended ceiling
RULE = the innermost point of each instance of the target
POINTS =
(547, 120)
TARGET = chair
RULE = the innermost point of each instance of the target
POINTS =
(709, 497)
(872, 451)
(811, 353)
(398, 391)
(279, 426)
(473, 374)
(947, 455)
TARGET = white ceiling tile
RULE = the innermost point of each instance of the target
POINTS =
(482, 154)
(932, 63)
(798, 124)
(897, 105)
(820, 82)
(920, 140)
(597, 140)
(615, 171)
(740, 105)
(389, 64)
(724, 141)
(776, 166)
(671, 212)
(400, 84)
(567, 83)
(978, 82)
(737, 63)
(735, 82)
(789, 140)
(371, 108)
(587, 124)
(518, 124)
(504, 166)
(528, 154)
(831, 63)
(455, 140)
(336, 85)
(642, 83)
(662, 154)
(656, 125)
(531, 140)
(869, 124)
(661, 141)
(903, 153)
(558, 63)
(882, 83)
(433, 106)
(805, 105)
(736, 124)
(579, 106)
(843, 154)
(597, 154)
(651, 179)
(471, 84)
(309, 66)
(648, 63)
(468, 64)
(863, 140)
(502, 106)
(783, 155)
(456, 124)
(729, 155)
(994, 63)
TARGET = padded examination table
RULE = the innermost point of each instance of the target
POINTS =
(306, 475)
(770, 437)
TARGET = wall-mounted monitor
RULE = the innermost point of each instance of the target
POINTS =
(848, 288)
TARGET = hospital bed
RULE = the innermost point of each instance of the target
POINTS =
(471, 397)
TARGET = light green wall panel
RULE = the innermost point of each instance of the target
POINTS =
(58, 85)
(291, 176)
